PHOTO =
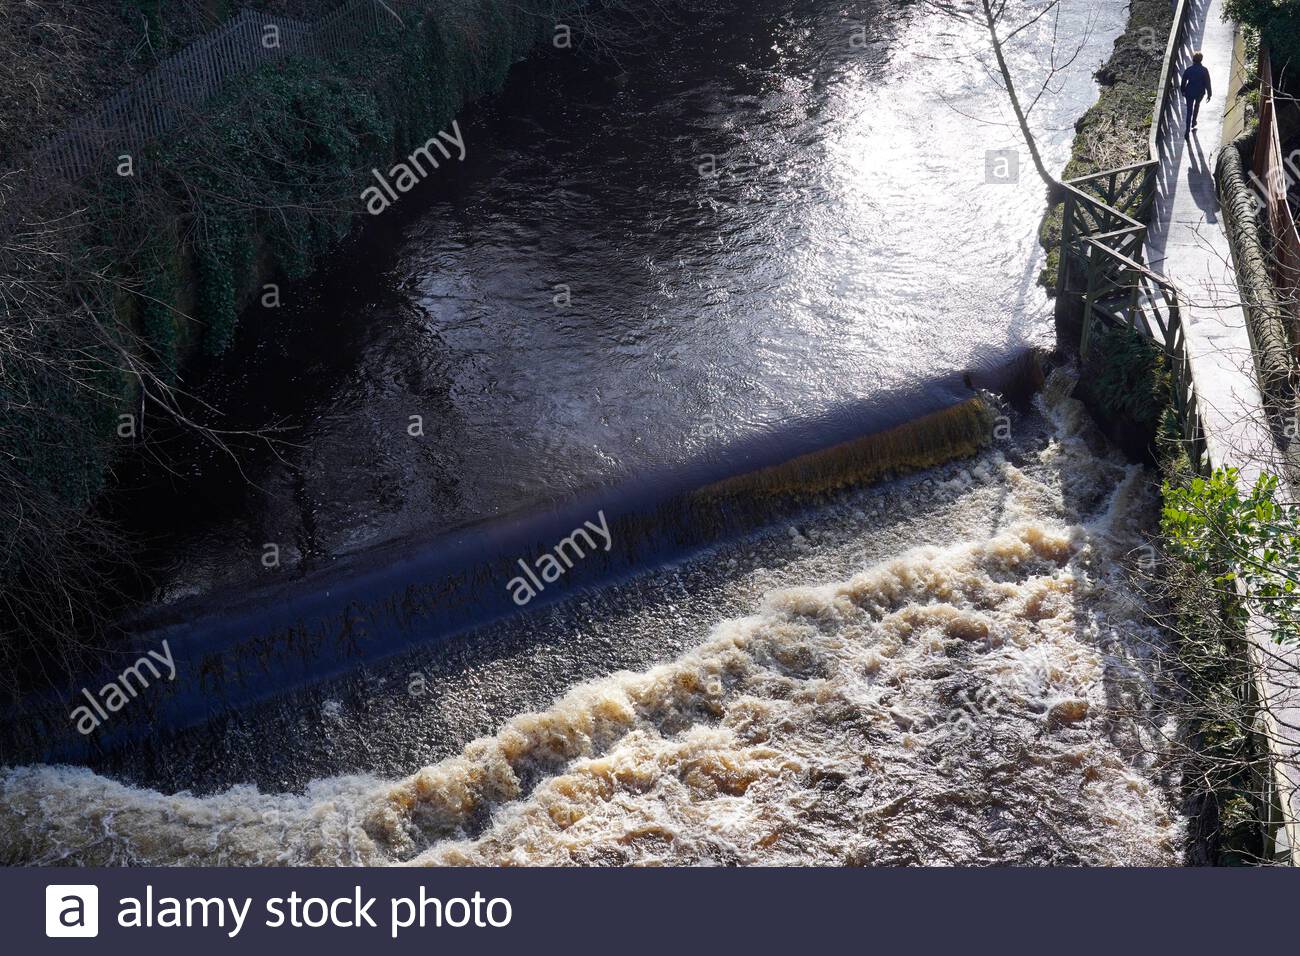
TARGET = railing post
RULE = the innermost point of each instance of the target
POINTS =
(1135, 293)
(1085, 333)
(1149, 177)
(1067, 237)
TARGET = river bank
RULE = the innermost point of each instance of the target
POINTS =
(128, 282)
(1129, 390)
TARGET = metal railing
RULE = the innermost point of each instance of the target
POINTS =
(1103, 233)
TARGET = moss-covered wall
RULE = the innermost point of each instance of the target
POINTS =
(302, 135)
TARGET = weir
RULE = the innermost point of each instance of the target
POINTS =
(864, 703)
(864, 676)
(371, 605)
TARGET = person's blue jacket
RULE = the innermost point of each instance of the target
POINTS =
(1196, 81)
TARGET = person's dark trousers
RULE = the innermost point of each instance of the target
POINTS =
(1193, 111)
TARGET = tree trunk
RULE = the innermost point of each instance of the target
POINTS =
(1054, 188)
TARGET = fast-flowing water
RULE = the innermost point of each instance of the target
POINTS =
(993, 696)
(782, 212)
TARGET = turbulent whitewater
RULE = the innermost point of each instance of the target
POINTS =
(993, 701)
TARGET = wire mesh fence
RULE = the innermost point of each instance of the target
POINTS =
(156, 102)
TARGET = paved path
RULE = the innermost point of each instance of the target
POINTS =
(1187, 242)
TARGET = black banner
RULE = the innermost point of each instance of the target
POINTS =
(642, 911)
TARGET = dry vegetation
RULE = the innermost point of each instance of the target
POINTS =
(58, 58)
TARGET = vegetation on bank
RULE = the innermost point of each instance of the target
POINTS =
(1222, 550)
(1276, 21)
(102, 307)
(1226, 764)
(59, 59)
(1114, 131)
(1125, 382)
(1205, 525)
(1247, 544)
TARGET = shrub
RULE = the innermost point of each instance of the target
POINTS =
(1251, 541)
(1127, 377)
(1278, 22)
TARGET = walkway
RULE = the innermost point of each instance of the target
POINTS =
(1187, 243)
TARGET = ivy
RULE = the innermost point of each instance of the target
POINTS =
(1128, 376)
(290, 141)
(282, 155)
(267, 184)
(158, 321)
(1278, 22)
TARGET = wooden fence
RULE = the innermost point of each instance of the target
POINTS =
(157, 101)
(1274, 177)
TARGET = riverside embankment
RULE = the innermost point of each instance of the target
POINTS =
(124, 274)
(1161, 313)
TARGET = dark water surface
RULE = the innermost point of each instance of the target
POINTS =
(848, 248)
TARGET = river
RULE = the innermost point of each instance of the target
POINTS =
(780, 219)
(841, 249)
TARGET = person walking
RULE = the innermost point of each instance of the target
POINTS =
(1195, 85)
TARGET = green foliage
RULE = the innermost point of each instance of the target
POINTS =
(296, 140)
(59, 445)
(1278, 22)
(292, 141)
(158, 321)
(282, 156)
(1250, 542)
(1224, 772)
(1128, 376)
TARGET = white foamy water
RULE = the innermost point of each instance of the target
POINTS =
(988, 702)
